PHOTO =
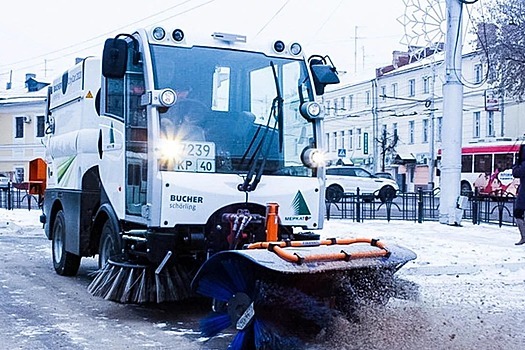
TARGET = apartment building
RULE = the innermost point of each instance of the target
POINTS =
(394, 121)
(23, 122)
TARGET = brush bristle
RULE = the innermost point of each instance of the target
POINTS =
(214, 323)
(139, 284)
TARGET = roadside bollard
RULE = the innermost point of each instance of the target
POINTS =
(420, 205)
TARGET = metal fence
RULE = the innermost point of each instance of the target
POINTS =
(420, 206)
(18, 198)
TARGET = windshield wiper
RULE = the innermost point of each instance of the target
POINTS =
(255, 172)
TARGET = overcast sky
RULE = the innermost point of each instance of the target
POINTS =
(44, 37)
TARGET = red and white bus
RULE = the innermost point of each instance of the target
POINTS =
(488, 167)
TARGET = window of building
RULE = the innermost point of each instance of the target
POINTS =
(439, 128)
(40, 126)
(426, 85)
(342, 139)
(425, 130)
(328, 107)
(327, 141)
(478, 73)
(477, 124)
(383, 93)
(394, 90)
(19, 127)
(334, 135)
(412, 87)
(394, 130)
(350, 101)
(411, 127)
(336, 107)
(343, 103)
(491, 130)
(367, 97)
(359, 138)
(350, 139)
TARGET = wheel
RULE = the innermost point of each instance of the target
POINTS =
(465, 188)
(334, 193)
(387, 193)
(65, 263)
(110, 244)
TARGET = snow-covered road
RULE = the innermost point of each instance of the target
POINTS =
(471, 281)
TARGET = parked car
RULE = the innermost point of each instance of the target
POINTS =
(384, 175)
(4, 181)
(341, 179)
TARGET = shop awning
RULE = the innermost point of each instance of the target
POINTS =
(404, 158)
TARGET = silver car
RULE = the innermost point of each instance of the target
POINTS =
(347, 179)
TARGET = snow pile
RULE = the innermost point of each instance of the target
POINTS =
(20, 222)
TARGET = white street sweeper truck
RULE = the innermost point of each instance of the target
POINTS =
(193, 165)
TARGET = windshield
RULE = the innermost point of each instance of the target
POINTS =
(226, 116)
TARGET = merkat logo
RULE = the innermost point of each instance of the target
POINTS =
(299, 205)
(300, 209)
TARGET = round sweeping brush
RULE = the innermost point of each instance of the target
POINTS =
(266, 314)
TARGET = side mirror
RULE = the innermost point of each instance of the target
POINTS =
(323, 73)
(114, 58)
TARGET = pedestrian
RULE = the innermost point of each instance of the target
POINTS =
(518, 171)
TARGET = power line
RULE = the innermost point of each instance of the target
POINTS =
(273, 17)
(6, 66)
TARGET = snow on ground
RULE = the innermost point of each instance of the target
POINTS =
(471, 282)
(475, 264)
(458, 255)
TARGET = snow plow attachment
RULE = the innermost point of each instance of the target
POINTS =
(277, 293)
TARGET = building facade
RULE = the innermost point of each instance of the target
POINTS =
(393, 122)
(23, 122)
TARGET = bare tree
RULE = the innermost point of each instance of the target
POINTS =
(388, 145)
(501, 37)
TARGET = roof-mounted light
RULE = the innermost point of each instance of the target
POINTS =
(177, 35)
(278, 46)
(158, 33)
(230, 38)
(295, 49)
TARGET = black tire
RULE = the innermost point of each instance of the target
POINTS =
(334, 194)
(110, 243)
(387, 193)
(65, 263)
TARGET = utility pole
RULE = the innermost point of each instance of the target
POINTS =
(375, 124)
(452, 115)
(355, 49)
(432, 151)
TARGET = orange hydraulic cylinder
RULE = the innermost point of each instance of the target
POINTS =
(272, 222)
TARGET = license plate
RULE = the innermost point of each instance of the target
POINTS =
(196, 157)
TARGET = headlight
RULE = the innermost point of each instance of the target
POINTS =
(311, 110)
(170, 149)
(312, 158)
